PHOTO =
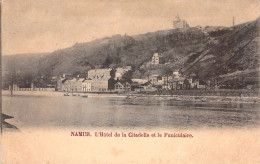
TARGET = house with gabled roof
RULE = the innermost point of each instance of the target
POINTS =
(122, 86)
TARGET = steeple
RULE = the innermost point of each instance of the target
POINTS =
(177, 18)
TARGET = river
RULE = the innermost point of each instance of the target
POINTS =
(56, 110)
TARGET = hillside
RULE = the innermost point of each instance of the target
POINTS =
(208, 52)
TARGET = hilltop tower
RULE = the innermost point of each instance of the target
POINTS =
(179, 23)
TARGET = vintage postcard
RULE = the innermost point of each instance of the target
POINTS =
(130, 81)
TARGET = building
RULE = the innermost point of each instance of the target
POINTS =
(122, 86)
(66, 76)
(100, 85)
(100, 77)
(176, 74)
(145, 87)
(71, 85)
(154, 79)
(59, 84)
(179, 82)
(173, 85)
(142, 85)
(137, 84)
(86, 85)
(200, 84)
(167, 86)
(179, 23)
(148, 87)
(166, 79)
(99, 73)
(155, 58)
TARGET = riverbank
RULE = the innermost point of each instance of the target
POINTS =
(194, 96)
(217, 92)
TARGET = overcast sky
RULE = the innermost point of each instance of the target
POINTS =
(30, 26)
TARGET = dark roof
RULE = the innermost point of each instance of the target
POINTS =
(63, 81)
(122, 83)
(147, 83)
(86, 79)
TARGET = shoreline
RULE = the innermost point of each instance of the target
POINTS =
(145, 96)
(220, 92)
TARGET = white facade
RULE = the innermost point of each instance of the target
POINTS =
(153, 78)
(176, 74)
(86, 86)
(99, 85)
(155, 58)
(99, 73)
(166, 79)
(72, 85)
(99, 78)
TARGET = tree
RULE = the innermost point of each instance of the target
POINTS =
(118, 58)
(113, 73)
(111, 83)
(127, 77)
(107, 62)
(166, 71)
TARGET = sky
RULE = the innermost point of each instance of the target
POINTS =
(32, 26)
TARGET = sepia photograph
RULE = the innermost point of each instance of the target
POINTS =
(140, 81)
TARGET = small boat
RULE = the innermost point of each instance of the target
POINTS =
(66, 94)
(85, 96)
(75, 95)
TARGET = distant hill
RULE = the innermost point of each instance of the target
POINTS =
(208, 52)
